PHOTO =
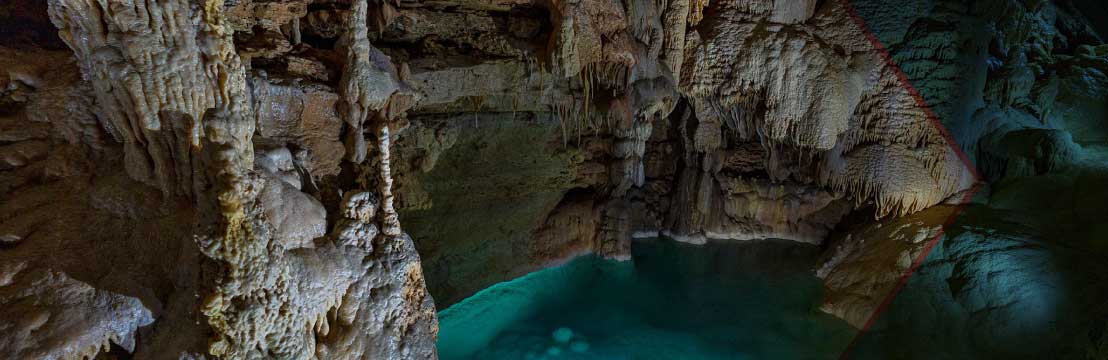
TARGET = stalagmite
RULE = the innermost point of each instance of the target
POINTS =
(390, 224)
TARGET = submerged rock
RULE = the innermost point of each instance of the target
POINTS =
(563, 335)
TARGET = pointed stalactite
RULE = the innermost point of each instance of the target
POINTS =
(373, 95)
(153, 85)
(353, 106)
(171, 85)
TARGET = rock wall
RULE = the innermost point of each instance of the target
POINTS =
(998, 74)
(209, 183)
(679, 118)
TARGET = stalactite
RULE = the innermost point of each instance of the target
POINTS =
(154, 93)
(355, 107)
(390, 224)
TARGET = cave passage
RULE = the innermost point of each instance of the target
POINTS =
(722, 300)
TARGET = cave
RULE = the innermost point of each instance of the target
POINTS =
(553, 179)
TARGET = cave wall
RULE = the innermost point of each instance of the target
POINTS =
(655, 139)
(153, 205)
(1012, 81)
(478, 188)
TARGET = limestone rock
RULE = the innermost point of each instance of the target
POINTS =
(868, 113)
(303, 116)
(49, 315)
(867, 263)
(152, 85)
(298, 218)
(244, 15)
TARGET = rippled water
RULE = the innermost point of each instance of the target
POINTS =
(733, 300)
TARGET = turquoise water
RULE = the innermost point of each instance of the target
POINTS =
(737, 300)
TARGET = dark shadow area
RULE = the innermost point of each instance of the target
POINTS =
(25, 24)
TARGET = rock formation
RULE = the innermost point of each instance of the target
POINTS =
(759, 120)
(258, 274)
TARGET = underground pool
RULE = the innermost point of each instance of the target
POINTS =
(734, 300)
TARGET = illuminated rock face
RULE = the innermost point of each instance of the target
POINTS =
(201, 200)
(696, 120)
(249, 179)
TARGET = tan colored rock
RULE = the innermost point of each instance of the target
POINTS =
(867, 262)
(579, 36)
(48, 315)
(304, 116)
(308, 68)
(187, 126)
(244, 15)
(154, 86)
(298, 218)
(848, 111)
(777, 11)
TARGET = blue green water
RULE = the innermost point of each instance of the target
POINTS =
(736, 300)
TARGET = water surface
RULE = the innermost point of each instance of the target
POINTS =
(723, 300)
